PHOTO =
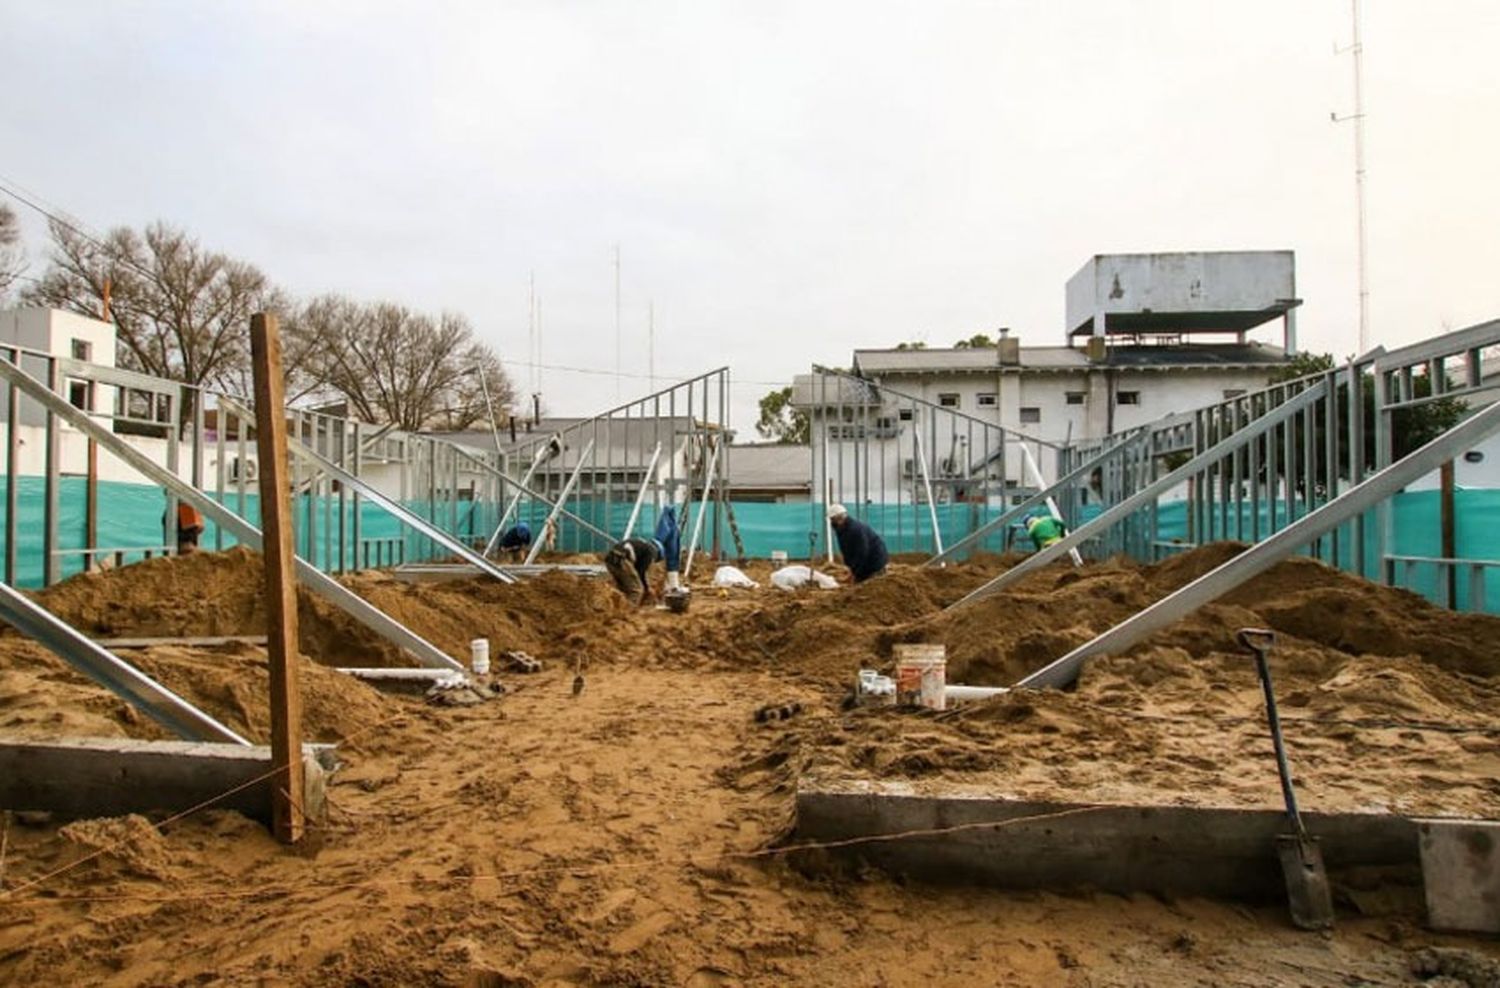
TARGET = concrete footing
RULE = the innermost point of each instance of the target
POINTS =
(442, 572)
(1461, 868)
(1184, 850)
(94, 777)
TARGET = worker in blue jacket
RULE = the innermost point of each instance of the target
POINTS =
(863, 551)
(516, 540)
(670, 537)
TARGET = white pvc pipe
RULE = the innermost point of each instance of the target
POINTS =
(640, 498)
(953, 692)
(708, 484)
(937, 535)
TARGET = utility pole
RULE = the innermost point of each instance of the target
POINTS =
(618, 349)
(533, 347)
(288, 817)
(1357, 49)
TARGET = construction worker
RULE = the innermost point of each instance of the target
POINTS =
(189, 528)
(863, 551)
(1045, 530)
(669, 537)
(628, 563)
(515, 541)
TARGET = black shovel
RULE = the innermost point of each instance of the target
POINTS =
(1301, 858)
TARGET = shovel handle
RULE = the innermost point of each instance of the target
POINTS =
(1259, 641)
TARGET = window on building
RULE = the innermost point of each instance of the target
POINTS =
(1127, 397)
(1030, 415)
(949, 400)
(1076, 397)
(83, 350)
(904, 414)
(78, 395)
(985, 399)
(1233, 393)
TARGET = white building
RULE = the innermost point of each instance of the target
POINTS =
(1146, 335)
(1058, 393)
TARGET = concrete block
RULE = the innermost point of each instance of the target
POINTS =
(93, 777)
(1461, 874)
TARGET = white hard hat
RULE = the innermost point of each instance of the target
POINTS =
(837, 511)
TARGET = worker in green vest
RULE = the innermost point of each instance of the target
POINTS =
(1045, 530)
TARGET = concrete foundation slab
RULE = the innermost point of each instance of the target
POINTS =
(93, 777)
(1185, 850)
(1461, 874)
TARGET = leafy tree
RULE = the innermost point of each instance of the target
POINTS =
(912, 345)
(780, 421)
(1301, 365)
(1411, 428)
(978, 341)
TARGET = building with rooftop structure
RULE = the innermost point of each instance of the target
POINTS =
(1145, 335)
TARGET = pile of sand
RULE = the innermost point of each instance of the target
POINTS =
(1388, 700)
(207, 594)
(42, 697)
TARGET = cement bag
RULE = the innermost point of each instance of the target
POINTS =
(797, 577)
(730, 576)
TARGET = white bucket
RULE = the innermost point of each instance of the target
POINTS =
(778, 555)
(479, 656)
(921, 675)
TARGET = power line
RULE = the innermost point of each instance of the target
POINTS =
(604, 372)
(55, 214)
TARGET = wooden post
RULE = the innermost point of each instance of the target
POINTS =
(287, 816)
(1450, 529)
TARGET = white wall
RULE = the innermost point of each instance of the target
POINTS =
(881, 476)
(1161, 393)
(54, 332)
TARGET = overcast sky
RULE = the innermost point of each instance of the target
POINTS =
(787, 181)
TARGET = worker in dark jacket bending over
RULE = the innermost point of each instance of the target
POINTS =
(628, 563)
(863, 551)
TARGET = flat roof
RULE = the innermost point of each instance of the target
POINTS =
(971, 360)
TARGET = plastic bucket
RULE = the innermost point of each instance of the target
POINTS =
(479, 656)
(778, 556)
(921, 675)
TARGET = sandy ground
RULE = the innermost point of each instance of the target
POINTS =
(632, 835)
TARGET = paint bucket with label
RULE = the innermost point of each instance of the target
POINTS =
(479, 656)
(921, 675)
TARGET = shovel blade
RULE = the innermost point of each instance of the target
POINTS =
(1307, 890)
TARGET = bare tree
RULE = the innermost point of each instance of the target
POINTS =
(12, 258)
(398, 366)
(181, 312)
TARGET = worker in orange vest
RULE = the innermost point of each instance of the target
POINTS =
(189, 528)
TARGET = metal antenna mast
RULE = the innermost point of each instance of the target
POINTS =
(1356, 48)
(618, 350)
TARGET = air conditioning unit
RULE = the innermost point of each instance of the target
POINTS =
(243, 469)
